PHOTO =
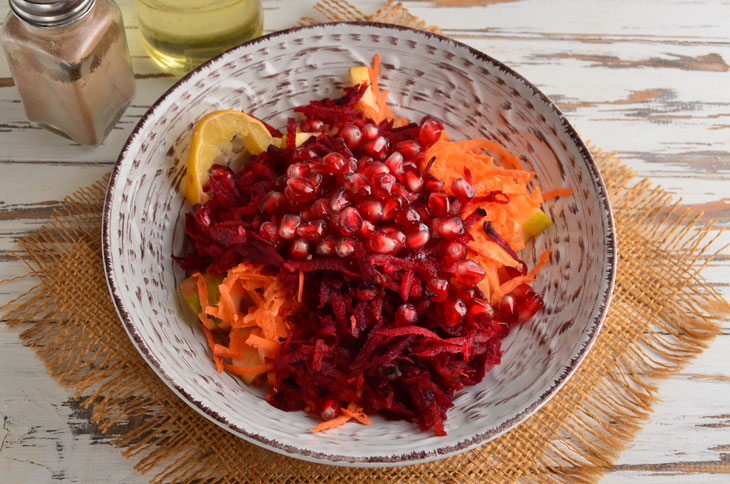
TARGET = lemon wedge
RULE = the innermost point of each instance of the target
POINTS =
(212, 143)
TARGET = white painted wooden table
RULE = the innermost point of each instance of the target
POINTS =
(649, 79)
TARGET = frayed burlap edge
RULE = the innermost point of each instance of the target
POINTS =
(662, 315)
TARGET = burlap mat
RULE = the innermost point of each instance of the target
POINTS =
(662, 315)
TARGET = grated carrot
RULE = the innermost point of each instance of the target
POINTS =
(245, 370)
(332, 423)
(211, 344)
(557, 193)
(542, 261)
(300, 290)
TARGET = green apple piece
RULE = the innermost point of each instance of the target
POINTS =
(535, 224)
(250, 356)
(358, 75)
(189, 290)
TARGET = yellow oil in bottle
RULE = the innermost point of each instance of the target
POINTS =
(182, 34)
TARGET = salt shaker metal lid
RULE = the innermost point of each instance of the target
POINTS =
(51, 13)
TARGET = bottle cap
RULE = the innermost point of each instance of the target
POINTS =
(50, 13)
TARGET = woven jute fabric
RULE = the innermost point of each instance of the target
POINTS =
(662, 314)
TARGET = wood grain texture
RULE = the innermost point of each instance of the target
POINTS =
(646, 79)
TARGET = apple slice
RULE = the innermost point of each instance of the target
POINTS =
(535, 224)
(358, 75)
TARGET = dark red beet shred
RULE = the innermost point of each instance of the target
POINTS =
(394, 321)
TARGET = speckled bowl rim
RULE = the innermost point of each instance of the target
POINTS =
(415, 457)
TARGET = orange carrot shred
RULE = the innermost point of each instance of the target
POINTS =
(211, 343)
(245, 370)
(543, 259)
(556, 193)
(332, 423)
(202, 289)
(300, 291)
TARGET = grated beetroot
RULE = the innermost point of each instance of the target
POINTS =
(393, 320)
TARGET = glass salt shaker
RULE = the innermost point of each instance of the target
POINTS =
(70, 62)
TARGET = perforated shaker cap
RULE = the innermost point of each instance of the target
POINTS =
(50, 13)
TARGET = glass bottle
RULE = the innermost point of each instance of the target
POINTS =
(70, 62)
(179, 35)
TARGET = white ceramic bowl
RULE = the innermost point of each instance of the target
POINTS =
(472, 94)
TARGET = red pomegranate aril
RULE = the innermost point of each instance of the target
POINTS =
(439, 289)
(302, 189)
(371, 210)
(397, 235)
(326, 247)
(406, 315)
(462, 189)
(479, 308)
(451, 227)
(309, 125)
(377, 147)
(312, 230)
(523, 291)
(339, 201)
(374, 168)
(352, 135)
(349, 221)
(334, 162)
(400, 190)
(367, 229)
(469, 272)
(345, 247)
(370, 131)
(271, 202)
(298, 249)
(304, 154)
(288, 225)
(508, 308)
(382, 243)
(329, 410)
(429, 132)
(528, 307)
(408, 148)
(438, 205)
(416, 240)
(394, 162)
(408, 218)
(316, 180)
(383, 184)
(269, 232)
(454, 251)
(357, 184)
(413, 180)
(516, 271)
(321, 207)
(433, 184)
(392, 205)
(351, 165)
(454, 311)
(297, 170)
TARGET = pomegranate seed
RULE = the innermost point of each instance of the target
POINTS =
(329, 410)
(363, 163)
(334, 162)
(408, 217)
(439, 288)
(371, 210)
(370, 131)
(352, 136)
(367, 229)
(462, 189)
(357, 184)
(316, 180)
(312, 230)
(516, 271)
(469, 272)
(430, 131)
(297, 170)
(383, 184)
(302, 190)
(345, 247)
(309, 125)
(288, 225)
(508, 308)
(304, 154)
(298, 249)
(397, 235)
(374, 168)
(454, 251)
(479, 308)
(432, 183)
(321, 207)
(408, 148)
(454, 311)
(377, 147)
(523, 291)
(406, 315)
(438, 205)
(349, 221)
(381, 243)
(269, 231)
(413, 180)
(527, 308)
(339, 201)
(416, 240)
(455, 208)
(271, 202)
(326, 247)
(392, 205)
(451, 228)
(399, 189)
(395, 163)
(351, 165)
